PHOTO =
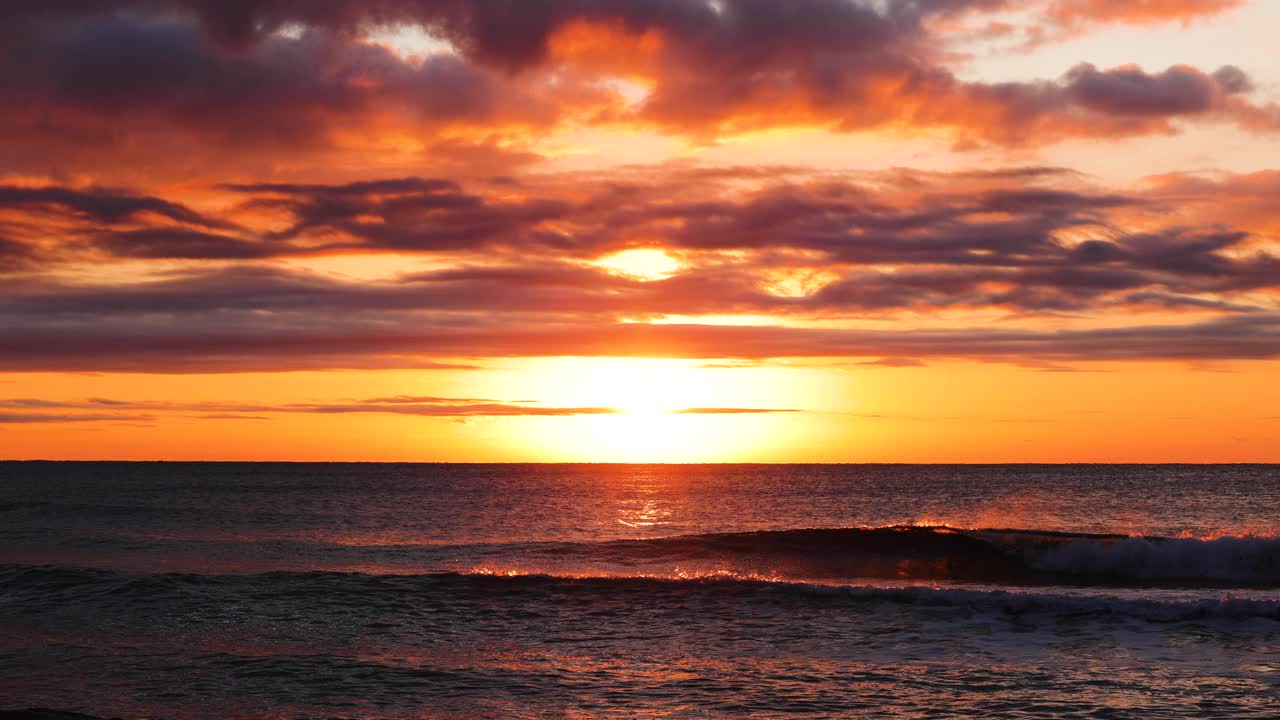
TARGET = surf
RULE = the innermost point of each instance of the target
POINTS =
(940, 554)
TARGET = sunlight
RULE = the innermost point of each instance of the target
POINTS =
(650, 395)
(647, 392)
(657, 437)
(641, 264)
(639, 385)
(410, 41)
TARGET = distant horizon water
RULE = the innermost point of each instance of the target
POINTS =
(249, 591)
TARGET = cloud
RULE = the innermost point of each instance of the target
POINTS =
(8, 418)
(1070, 13)
(512, 269)
(154, 86)
(1056, 21)
(1017, 241)
(894, 362)
(1243, 200)
(447, 410)
(433, 407)
(102, 206)
(123, 90)
(402, 214)
(177, 243)
(87, 410)
(1254, 336)
(1179, 90)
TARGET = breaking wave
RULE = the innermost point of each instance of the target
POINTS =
(944, 554)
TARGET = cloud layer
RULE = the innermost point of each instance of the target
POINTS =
(30, 411)
(151, 217)
(145, 84)
(514, 269)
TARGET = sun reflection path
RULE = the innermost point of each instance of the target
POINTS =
(645, 503)
(644, 513)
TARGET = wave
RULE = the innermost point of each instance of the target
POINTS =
(935, 554)
(946, 554)
(43, 589)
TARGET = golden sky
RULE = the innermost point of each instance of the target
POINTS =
(632, 230)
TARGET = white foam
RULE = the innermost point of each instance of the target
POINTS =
(1252, 560)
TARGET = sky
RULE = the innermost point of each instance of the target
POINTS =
(640, 230)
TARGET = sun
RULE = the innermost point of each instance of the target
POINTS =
(641, 264)
(652, 398)
(640, 386)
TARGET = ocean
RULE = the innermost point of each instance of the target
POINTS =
(197, 591)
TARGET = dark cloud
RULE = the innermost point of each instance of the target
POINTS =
(1254, 336)
(411, 214)
(871, 249)
(394, 186)
(516, 33)
(177, 243)
(14, 255)
(8, 418)
(102, 205)
(270, 301)
(148, 82)
(425, 407)
(403, 405)
(843, 219)
(131, 89)
(513, 271)
(34, 404)
(1178, 90)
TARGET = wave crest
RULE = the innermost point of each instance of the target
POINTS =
(943, 554)
(38, 589)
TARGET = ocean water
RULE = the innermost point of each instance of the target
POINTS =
(201, 591)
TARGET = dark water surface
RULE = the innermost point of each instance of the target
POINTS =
(198, 591)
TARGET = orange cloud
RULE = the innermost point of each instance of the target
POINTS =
(1137, 12)
(219, 87)
(1026, 243)
(209, 275)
